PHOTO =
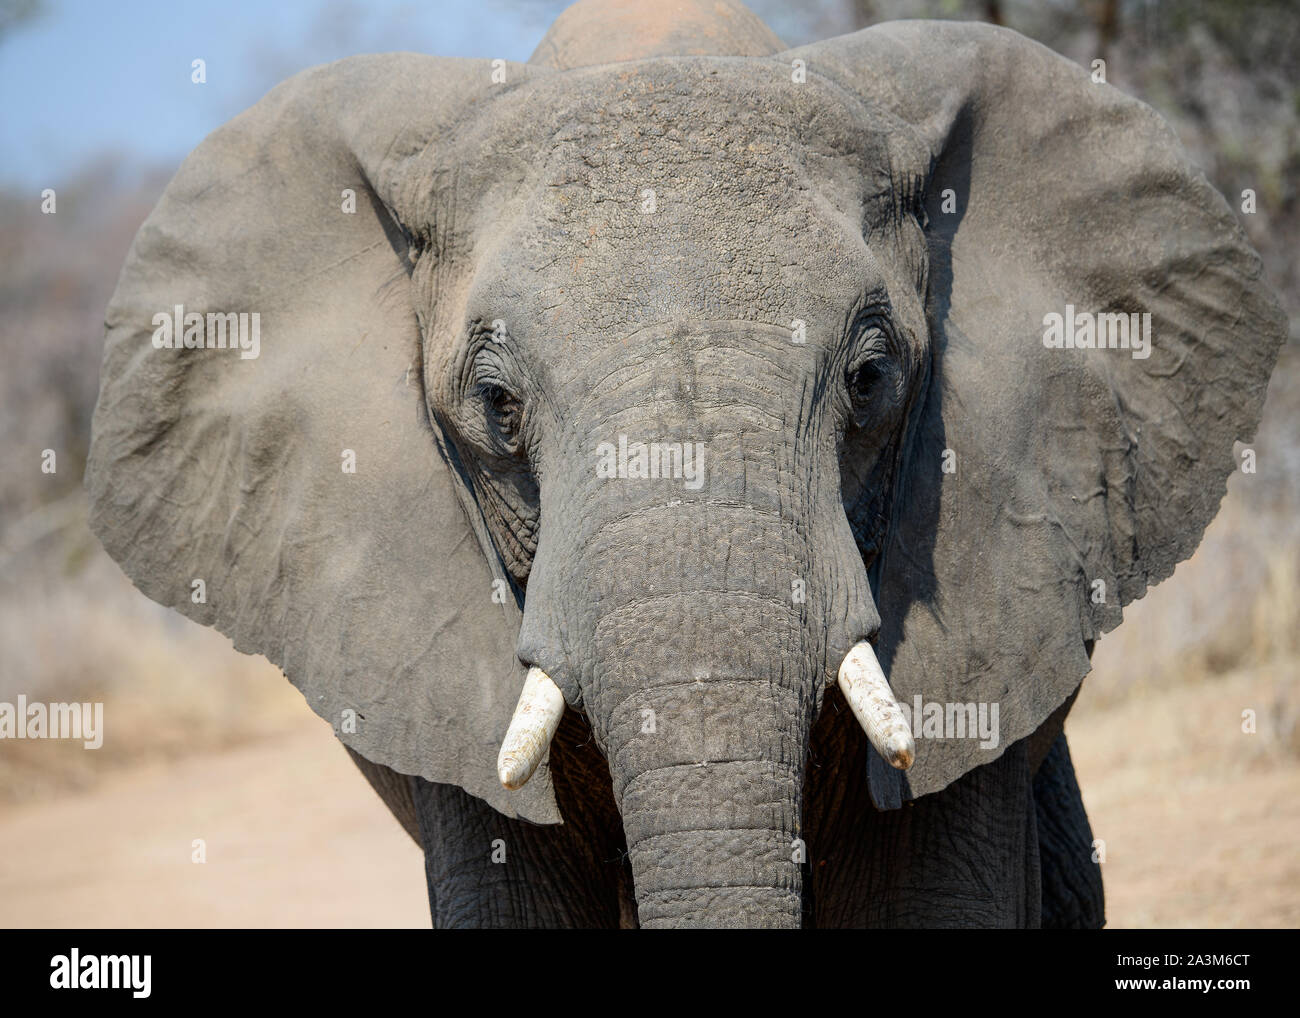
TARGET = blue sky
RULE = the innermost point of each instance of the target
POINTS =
(86, 78)
(89, 77)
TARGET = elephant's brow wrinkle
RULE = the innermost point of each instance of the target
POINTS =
(757, 331)
(757, 354)
(745, 595)
(615, 370)
(662, 506)
(641, 405)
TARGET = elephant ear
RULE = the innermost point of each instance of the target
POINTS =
(1073, 479)
(304, 486)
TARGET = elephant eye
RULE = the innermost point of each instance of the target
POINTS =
(870, 386)
(873, 386)
(865, 380)
(505, 414)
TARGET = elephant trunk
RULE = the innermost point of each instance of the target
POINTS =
(713, 836)
(706, 698)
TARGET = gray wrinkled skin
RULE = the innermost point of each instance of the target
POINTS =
(505, 299)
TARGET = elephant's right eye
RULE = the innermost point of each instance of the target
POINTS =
(504, 415)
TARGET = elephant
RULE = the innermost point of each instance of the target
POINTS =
(690, 474)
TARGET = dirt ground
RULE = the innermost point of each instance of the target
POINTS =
(293, 836)
(1201, 820)
(1201, 824)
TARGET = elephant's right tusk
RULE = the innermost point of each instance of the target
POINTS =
(536, 717)
(867, 690)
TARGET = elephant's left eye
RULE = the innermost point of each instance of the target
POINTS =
(873, 383)
(866, 378)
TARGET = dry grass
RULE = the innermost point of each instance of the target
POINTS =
(74, 629)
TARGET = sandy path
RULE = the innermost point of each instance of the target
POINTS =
(1201, 821)
(294, 837)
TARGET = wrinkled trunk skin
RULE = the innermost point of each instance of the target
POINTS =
(707, 754)
(721, 854)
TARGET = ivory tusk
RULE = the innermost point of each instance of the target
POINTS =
(867, 690)
(536, 717)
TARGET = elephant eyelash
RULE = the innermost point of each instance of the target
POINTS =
(873, 341)
(505, 413)
(875, 372)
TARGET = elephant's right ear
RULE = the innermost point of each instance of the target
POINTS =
(288, 488)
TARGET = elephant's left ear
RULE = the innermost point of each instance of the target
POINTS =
(277, 475)
(1048, 482)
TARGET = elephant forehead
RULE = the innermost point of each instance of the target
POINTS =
(690, 145)
(680, 251)
(720, 224)
(680, 189)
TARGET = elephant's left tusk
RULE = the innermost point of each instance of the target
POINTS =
(867, 690)
(536, 717)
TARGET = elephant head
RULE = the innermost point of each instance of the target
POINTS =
(672, 389)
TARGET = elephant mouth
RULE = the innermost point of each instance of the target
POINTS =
(860, 678)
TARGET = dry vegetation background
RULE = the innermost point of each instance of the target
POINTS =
(1200, 820)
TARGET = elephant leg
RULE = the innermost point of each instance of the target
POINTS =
(487, 870)
(1072, 890)
(967, 856)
